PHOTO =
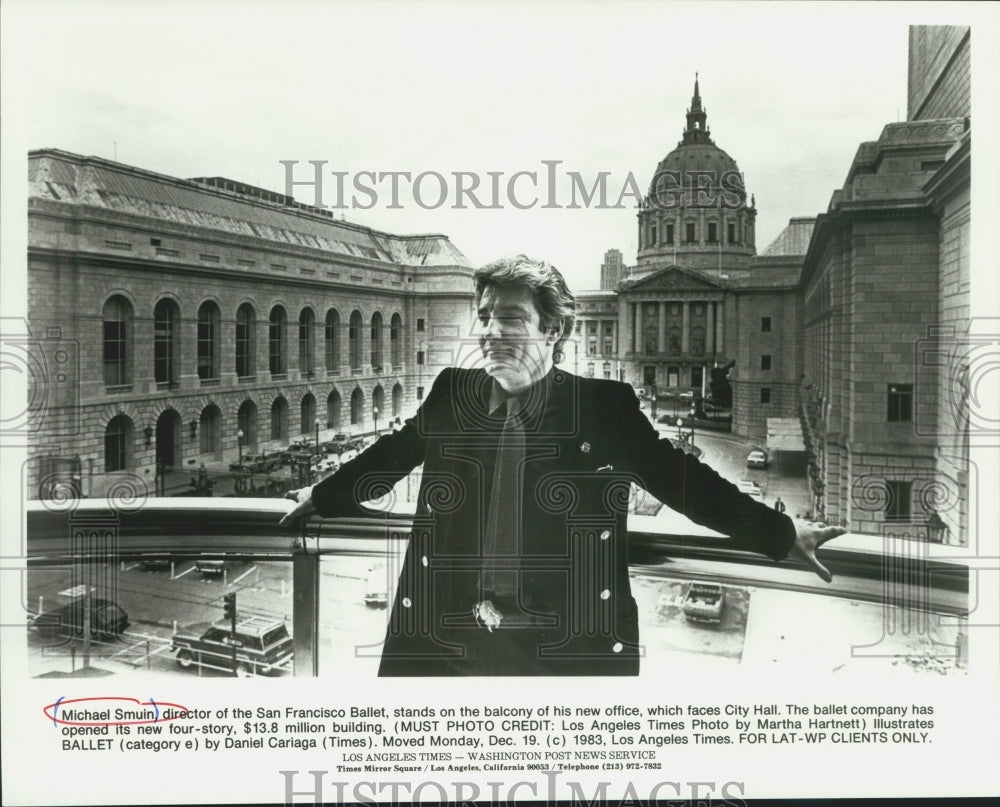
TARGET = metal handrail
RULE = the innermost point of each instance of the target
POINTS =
(248, 528)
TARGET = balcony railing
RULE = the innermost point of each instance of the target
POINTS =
(934, 578)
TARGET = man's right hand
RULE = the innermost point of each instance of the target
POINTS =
(305, 506)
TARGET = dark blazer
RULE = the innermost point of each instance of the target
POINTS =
(584, 446)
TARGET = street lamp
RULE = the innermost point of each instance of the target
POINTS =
(239, 442)
(375, 418)
(680, 437)
(317, 434)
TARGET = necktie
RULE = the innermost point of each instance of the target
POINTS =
(502, 543)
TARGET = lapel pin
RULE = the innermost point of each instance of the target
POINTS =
(585, 448)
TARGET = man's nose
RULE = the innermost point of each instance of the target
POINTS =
(491, 328)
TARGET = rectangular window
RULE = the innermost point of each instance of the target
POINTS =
(242, 348)
(765, 395)
(900, 403)
(206, 349)
(765, 362)
(897, 506)
(712, 233)
(420, 357)
(670, 233)
(115, 457)
(114, 353)
(420, 325)
(731, 232)
(765, 324)
(652, 235)
(689, 232)
(420, 393)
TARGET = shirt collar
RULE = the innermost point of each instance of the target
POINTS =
(532, 398)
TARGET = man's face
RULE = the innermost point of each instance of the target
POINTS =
(516, 351)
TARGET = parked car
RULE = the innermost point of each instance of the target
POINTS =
(704, 602)
(342, 442)
(751, 488)
(298, 448)
(210, 566)
(327, 465)
(757, 459)
(262, 646)
(262, 463)
(66, 615)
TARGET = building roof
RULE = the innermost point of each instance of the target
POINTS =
(793, 240)
(61, 176)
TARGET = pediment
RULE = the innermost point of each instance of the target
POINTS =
(673, 279)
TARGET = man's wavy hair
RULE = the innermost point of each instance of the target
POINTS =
(555, 302)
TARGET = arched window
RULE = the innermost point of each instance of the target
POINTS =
(698, 341)
(674, 341)
(650, 337)
(118, 444)
(279, 419)
(354, 340)
(397, 400)
(166, 317)
(331, 341)
(246, 422)
(307, 345)
(333, 410)
(246, 324)
(277, 349)
(357, 402)
(117, 335)
(208, 340)
(307, 412)
(376, 340)
(169, 445)
(396, 340)
(210, 431)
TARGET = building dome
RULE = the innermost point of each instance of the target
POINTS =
(697, 161)
(696, 214)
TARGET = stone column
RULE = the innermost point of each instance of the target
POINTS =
(639, 342)
(685, 326)
(719, 327)
(710, 329)
(661, 335)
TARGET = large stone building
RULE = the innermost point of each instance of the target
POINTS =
(190, 320)
(700, 297)
(886, 294)
(852, 323)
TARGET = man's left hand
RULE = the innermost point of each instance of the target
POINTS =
(809, 536)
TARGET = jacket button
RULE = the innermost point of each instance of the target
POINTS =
(616, 647)
(605, 594)
(423, 560)
(605, 535)
(406, 602)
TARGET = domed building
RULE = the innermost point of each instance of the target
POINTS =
(696, 211)
(700, 303)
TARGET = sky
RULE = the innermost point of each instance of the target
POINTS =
(232, 89)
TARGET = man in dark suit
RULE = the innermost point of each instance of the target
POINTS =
(518, 561)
